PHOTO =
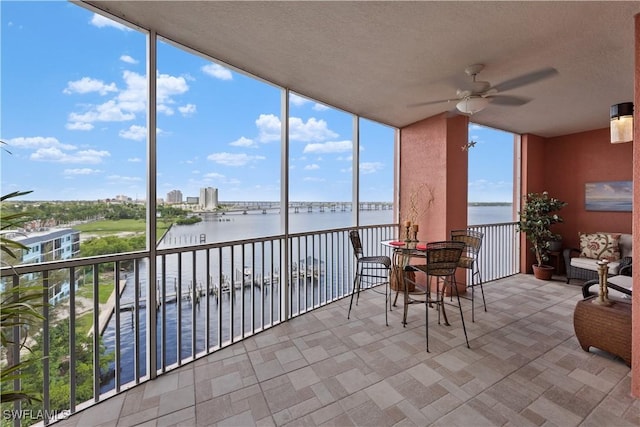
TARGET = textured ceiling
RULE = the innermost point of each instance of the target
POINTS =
(376, 59)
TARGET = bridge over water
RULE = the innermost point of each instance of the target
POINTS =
(295, 207)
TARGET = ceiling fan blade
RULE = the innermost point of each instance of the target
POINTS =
(510, 101)
(421, 104)
(526, 79)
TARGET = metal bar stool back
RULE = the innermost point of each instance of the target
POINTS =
(371, 271)
(469, 261)
(442, 260)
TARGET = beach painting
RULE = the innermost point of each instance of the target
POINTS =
(608, 196)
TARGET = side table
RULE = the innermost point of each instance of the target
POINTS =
(556, 260)
(605, 327)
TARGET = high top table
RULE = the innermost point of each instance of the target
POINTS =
(403, 251)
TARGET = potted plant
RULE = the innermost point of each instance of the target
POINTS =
(538, 214)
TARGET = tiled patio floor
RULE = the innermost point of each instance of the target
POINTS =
(524, 368)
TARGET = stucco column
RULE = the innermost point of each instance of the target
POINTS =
(433, 175)
(532, 181)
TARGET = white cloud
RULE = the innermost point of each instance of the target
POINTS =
(297, 100)
(128, 59)
(127, 102)
(187, 110)
(134, 97)
(103, 22)
(134, 159)
(214, 175)
(79, 126)
(135, 132)
(81, 171)
(54, 154)
(38, 142)
(329, 147)
(169, 86)
(313, 179)
(312, 130)
(320, 107)
(88, 85)
(123, 179)
(231, 159)
(269, 129)
(110, 111)
(243, 142)
(217, 71)
(370, 167)
(311, 167)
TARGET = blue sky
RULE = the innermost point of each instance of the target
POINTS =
(74, 118)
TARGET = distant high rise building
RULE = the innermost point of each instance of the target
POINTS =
(208, 198)
(174, 196)
(122, 198)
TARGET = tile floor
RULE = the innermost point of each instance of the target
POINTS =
(524, 368)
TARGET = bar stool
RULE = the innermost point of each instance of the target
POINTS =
(442, 260)
(373, 270)
(469, 261)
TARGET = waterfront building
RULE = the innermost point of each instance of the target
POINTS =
(208, 198)
(50, 245)
(122, 198)
(174, 196)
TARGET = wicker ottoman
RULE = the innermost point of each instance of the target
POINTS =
(606, 328)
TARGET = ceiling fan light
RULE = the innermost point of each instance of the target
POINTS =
(472, 104)
(622, 122)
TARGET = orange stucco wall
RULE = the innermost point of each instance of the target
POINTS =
(434, 167)
(562, 166)
(532, 181)
(573, 160)
(432, 161)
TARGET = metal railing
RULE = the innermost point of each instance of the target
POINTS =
(500, 251)
(208, 296)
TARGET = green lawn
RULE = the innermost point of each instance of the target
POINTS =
(104, 291)
(109, 227)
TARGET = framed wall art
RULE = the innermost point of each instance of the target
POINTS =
(613, 196)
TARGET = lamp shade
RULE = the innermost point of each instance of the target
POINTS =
(472, 104)
(622, 122)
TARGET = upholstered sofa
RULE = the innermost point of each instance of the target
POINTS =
(582, 263)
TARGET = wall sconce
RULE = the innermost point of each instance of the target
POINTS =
(622, 122)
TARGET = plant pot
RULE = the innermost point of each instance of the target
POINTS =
(543, 272)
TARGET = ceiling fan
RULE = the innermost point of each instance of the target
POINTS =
(480, 93)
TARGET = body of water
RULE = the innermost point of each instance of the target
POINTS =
(224, 228)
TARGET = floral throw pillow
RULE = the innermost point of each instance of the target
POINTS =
(600, 246)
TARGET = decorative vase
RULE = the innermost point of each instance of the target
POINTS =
(543, 272)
